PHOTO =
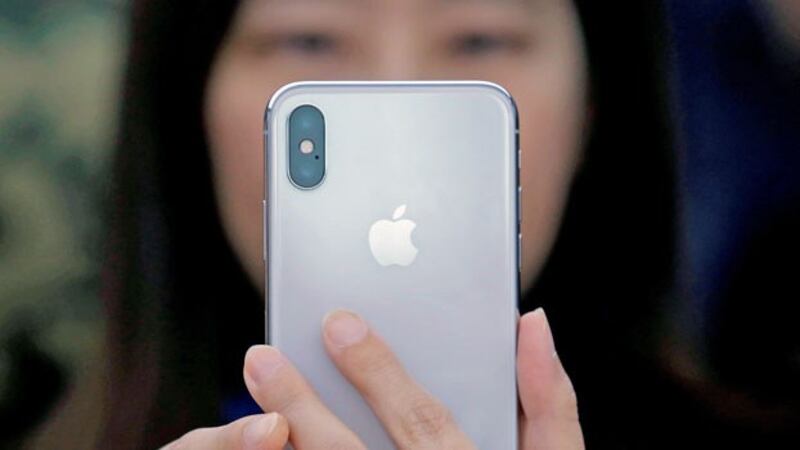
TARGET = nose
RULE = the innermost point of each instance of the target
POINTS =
(399, 51)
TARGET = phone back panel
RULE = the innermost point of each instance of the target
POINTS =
(448, 152)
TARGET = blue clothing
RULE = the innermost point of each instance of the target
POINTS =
(238, 405)
(739, 132)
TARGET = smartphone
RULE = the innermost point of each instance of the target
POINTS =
(399, 201)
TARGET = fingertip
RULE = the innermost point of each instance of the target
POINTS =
(534, 335)
(545, 388)
(255, 349)
(261, 363)
(250, 354)
(537, 368)
(342, 328)
(536, 319)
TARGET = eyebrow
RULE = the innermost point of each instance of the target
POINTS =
(279, 4)
(369, 1)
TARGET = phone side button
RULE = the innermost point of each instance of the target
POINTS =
(519, 205)
(264, 230)
(519, 252)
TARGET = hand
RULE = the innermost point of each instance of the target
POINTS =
(412, 417)
(256, 432)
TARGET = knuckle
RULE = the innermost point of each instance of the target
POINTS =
(426, 420)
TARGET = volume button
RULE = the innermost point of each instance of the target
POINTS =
(519, 205)
(519, 252)
(264, 229)
(519, 178)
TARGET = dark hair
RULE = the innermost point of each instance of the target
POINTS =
(168, 297)
(163, 290)
(613, 264)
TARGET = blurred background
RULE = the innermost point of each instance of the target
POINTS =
(735, 74)
(59, 70)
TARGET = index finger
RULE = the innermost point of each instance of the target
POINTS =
(276, 385)
(412, 416)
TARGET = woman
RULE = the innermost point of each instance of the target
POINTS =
(184, 272)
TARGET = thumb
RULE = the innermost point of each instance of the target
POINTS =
(550, 409)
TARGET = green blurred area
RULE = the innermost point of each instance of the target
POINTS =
(60, 67)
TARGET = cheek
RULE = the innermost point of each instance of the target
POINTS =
(552, 110)
(550, 151)
(234, 108)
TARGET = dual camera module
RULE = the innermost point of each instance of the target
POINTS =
(306, 146)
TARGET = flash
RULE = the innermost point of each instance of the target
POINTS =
(306, 146)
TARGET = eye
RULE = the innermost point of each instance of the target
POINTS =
(476, 44)
(308, 43)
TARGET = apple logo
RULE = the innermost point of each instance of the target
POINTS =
(390, 240)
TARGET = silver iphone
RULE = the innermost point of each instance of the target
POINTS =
(400, 201)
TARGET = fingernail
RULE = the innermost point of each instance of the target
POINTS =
(547, 332)
(256, 432)
(265, 361)
(344, 328)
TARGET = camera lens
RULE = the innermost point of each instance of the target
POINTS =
(306, 146)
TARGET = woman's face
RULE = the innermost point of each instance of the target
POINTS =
(534, 48)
